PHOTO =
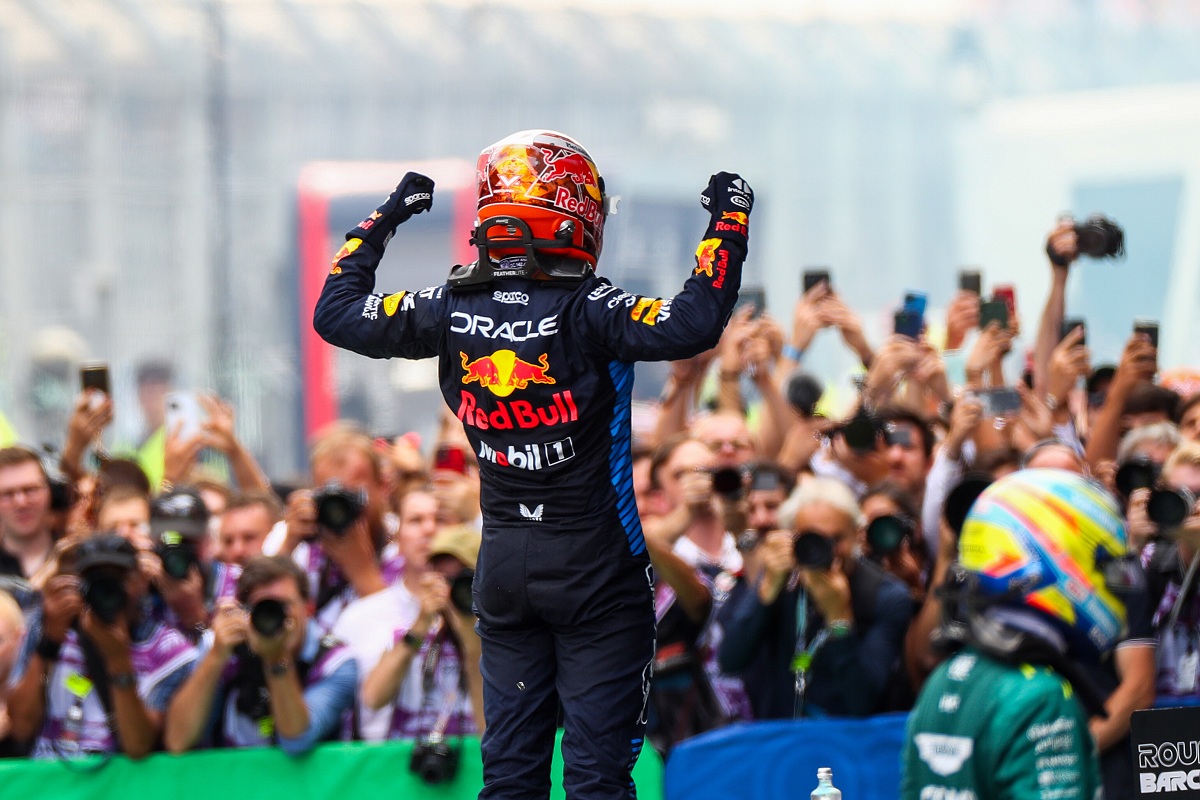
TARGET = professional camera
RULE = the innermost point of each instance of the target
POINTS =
(813, 551)
(178, 523)
(1137, 473)
(178, 555)
(338, 507)
(434, 760)
(1168, 507)
(885, 534)
(460, 591)
(268, 616)
(862, 431)
(1100, 237)
(729, 482)
(103, 592)
(102, 563)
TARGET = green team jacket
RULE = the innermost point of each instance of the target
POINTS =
(983, 730)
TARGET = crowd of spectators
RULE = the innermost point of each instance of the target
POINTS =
(798, 553)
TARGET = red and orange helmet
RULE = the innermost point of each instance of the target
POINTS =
(540, 191)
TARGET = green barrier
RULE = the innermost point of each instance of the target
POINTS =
(332, 771)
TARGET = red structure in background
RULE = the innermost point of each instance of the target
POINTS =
(322, 186)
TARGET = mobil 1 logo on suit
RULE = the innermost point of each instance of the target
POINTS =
(529, 456)
(1166, 752)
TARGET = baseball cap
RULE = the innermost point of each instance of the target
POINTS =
(179, 511)
(460, 541)
(104, 550)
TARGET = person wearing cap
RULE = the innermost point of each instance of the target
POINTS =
(95, 674)
(431, 666)
(188, 580)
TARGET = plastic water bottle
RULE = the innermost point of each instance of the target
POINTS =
(825, 789)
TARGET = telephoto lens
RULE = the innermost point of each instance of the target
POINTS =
(104, 593)
(728, 482)
(813, 551)
(1137, 473)
(1100, 237)
(460, 591)
(1168, 508)
(177, 555)
(885, 534)
(338, 508)
(268, 616)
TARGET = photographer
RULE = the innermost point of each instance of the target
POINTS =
(683, 473)
(1172, 574)
(188, 582)
(94, 674)
(432, 668)
(342, 556)
(821, 636)
(266, 674)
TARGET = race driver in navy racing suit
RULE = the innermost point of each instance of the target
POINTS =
(536, 356)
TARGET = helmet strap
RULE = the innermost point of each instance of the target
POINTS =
(518, 234)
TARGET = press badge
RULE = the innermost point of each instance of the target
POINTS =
(1185, 672)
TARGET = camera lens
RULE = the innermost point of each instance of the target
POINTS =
(337, 508)
(885, 534)
(727, 482)
(105, 595)
(268, 616)
(1139, 473)
(860, 432)
(460, 591)
(177, 559)
(1168, 508)
(813, 551)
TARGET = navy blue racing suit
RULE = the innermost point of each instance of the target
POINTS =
(540, 374)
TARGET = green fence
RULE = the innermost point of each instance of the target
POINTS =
(332, 772)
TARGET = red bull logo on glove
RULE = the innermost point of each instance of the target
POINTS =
(733, 222)
(503, 372)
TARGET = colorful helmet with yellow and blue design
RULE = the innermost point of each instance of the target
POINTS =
(1046, 539)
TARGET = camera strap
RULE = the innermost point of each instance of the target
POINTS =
(433, 657)
(93, 665)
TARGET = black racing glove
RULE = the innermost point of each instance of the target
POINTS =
(413, 195)
(729, 199)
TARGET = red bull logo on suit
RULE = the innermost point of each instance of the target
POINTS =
(503, 372)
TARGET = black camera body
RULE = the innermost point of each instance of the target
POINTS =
(338, 508)
(178, 555)
(862, 431)
(434, 760)
(268, 616)
(728, 482)
(1100, 237)
(103, 591)
(461, 591)
(813, 551)
(885, 534)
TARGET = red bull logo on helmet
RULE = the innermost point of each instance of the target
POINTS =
(563, 164)
(503, 372)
